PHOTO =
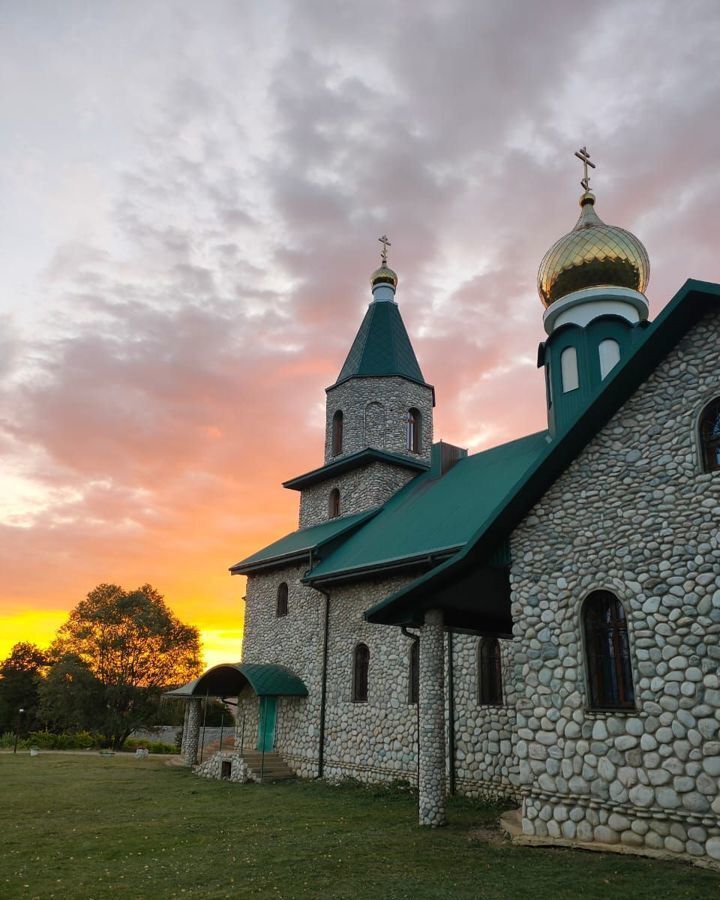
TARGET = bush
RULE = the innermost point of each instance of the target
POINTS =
(45, 740)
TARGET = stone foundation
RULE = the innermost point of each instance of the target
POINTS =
(213, 767)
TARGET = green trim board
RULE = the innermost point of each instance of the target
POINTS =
(692, 301)
(228, 679)
(434, 515)
(354, 461)
(382, 347)
(300, 544)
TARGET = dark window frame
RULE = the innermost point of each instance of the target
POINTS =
(490, 683)
(607, 653)
(413, 437)
(361, 673)
(414, 674)
(338, 423)
(334, 503)
(281, 600)
(709, 436)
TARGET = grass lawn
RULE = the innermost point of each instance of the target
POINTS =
(85, 826)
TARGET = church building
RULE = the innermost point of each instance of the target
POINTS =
(539, 621)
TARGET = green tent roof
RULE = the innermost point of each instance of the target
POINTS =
(693, 300)
(433, 515)
(228, 679)
(299, 543)
(381, 347)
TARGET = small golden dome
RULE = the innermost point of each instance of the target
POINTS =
(384, 275)
(591, 255)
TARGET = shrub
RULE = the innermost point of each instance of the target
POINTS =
(131, 745)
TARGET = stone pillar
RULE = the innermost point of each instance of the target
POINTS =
(183, 742)
(431, 749)
(191, 731)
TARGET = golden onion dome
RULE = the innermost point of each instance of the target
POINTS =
(591, 255)
(384, 275)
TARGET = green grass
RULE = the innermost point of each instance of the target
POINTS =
(84, 826)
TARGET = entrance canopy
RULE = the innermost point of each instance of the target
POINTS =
(228, 680)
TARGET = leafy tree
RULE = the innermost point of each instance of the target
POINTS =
(20, 675)
(135, 647)
(71, 698)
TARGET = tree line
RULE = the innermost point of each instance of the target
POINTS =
(104, 672)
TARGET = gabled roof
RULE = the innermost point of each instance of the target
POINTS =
(692, 301)
(297, 545)
(381, 347)
(433, 515)
(353, 461)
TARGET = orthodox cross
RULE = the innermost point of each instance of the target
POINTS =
(583, 155)
(383, 253)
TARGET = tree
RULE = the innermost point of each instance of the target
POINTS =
(135, 647)
(71, 697)
(20, 676)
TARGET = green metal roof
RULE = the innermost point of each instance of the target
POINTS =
(353, 461)
(692, 301)
(381, 347)
(299, 543)
(433, 515)
(228, 679)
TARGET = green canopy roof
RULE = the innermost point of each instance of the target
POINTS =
(298, 544)
(381, 347)
(433, 515)
(228, 679)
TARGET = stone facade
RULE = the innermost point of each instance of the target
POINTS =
(360, 489)
(634, 515)
(213, 767)
(366, 403)
(374, 740)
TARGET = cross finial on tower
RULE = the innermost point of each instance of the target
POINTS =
(383, 253)
(583, 155)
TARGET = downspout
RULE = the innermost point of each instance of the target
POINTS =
(451, 714)
(416, 639)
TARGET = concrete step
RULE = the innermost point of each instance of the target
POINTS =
(273, 767)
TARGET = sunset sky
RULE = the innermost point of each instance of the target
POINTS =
(192, 194)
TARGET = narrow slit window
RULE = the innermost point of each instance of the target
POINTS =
(414, 430)
(489, 673)
(569, 370)
(608, 652)
(609, 352)
(337, 433)
(361, 668)
(281, 607)
(414, 674)
(334, 503)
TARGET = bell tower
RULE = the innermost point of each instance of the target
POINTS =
(591, 282)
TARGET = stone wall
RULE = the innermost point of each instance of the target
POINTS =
(358, 398)
(294, 641)
(212, 767)
(361, 489)
(634, 515)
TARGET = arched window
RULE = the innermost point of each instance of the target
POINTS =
(361, 665)
(609, 353)
(710, 436)
(489, 673)
(569, 370)
(414, 430)
(608, 652)
(414, 673)
(337, 433)
(334, 503)
(281, 608)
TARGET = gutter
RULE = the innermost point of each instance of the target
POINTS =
(323, 683)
